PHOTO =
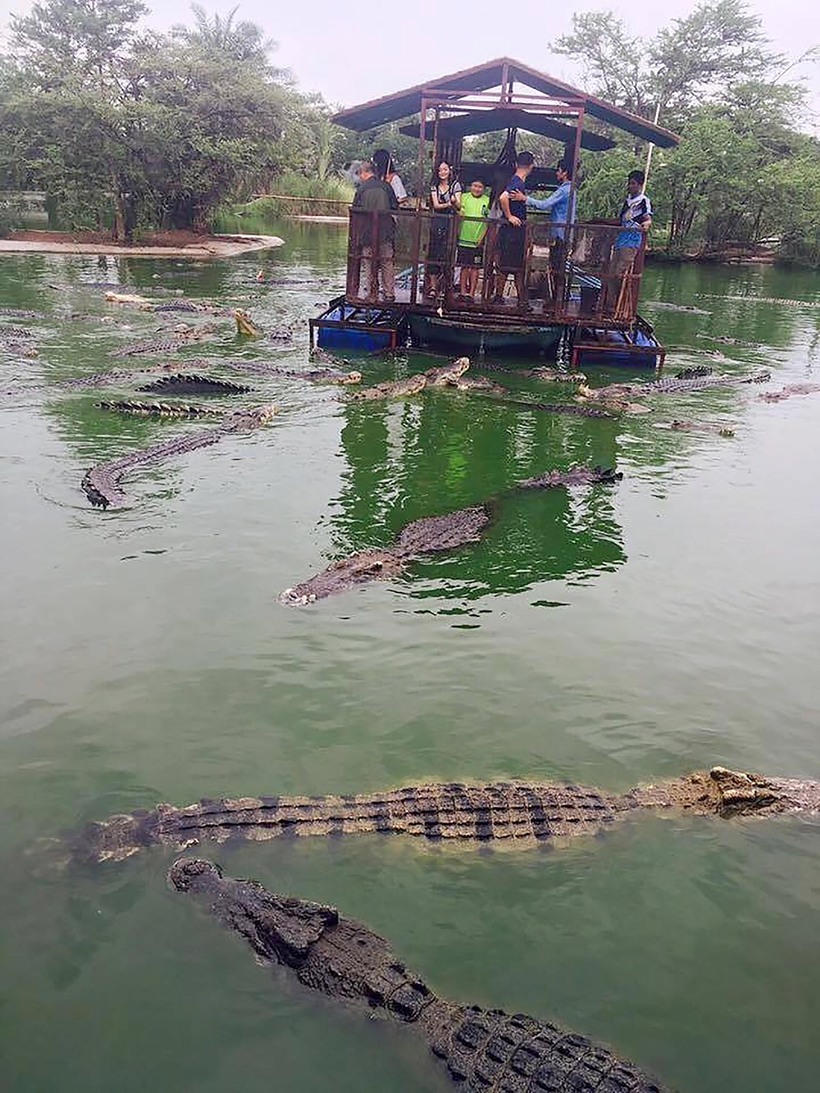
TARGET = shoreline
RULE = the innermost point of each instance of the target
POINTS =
(210, 246)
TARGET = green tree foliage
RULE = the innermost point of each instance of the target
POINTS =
(119, 126)
(712, 77)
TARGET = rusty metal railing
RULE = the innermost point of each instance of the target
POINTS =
(540, 272)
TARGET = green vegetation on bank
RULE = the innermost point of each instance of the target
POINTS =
(133, 129)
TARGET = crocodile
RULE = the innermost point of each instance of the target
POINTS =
(192, 383)
(168, 343)
(511, 812)
(429, 535)
(478, 383)
(442, 376)
(101, 483)
(681, 426)
(20, 313)
(575, 476)
(15, 333)
(696, 379)
(188, 306)
(573, 408)
(403, 388)
(725, 339)
(245, 324)
(312, 375)
(12, 348)
(789, 390)
(542, 372)
(487, 1050)
(161, 409)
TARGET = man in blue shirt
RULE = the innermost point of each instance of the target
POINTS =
(636, 220)
(512, 235)
(557, 205)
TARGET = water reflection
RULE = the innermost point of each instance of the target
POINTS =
(446, 450)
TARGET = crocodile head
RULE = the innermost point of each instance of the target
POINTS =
(244, 324)
(280, 929)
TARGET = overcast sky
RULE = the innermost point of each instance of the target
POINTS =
(352, 53)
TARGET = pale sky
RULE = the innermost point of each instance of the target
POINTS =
(351, 53)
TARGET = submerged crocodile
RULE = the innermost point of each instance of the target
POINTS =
(573, 408)
(312, 375)
(487, 1050)
(20, 313)
(789, 390)
(161, 409)
(498, 811)
(192, 383)
(575, 476)
(429, 535)
(101, 483)
(696, 427)
(167, 343)
(442, 376)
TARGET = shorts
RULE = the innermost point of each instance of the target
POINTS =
(512, 243)
(469, 256)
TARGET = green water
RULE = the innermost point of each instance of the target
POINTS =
(604, 636)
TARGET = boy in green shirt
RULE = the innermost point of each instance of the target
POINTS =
(472, 229)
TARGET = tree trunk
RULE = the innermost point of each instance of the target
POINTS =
(119, 232)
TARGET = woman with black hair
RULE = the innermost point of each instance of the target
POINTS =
(445, 201)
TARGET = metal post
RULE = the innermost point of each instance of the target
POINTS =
(569, 240)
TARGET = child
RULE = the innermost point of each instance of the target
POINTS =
(472, 229)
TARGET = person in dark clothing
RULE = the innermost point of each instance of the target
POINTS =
(512, 236)
(375, 235)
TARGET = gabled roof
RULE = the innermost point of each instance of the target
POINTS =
(490, 121)
(402, 104)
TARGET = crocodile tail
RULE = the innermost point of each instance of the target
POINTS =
(490, 1049)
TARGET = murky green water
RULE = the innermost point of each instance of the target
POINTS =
(608, 636)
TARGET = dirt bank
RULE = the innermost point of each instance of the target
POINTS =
(173, 244)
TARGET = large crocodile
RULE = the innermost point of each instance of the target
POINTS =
(485, 1050)
(499, 811)
(101, 483)
(429, 535)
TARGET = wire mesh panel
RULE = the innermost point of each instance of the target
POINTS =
(541, 270)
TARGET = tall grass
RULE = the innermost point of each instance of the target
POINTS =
(295, 195)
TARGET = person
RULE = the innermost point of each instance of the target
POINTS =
(636, 220)
(385, 170)
(375, 196)
(445, 201)
(557, 205)
(475, 206)
(512, 235)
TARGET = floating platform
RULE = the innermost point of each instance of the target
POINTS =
(637, 348)
(359, 329)
(349, 327)
(481, 335)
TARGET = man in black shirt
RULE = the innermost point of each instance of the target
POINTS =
(512, 236)
(375, 234)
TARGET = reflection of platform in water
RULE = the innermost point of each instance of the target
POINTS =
(445, 451)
